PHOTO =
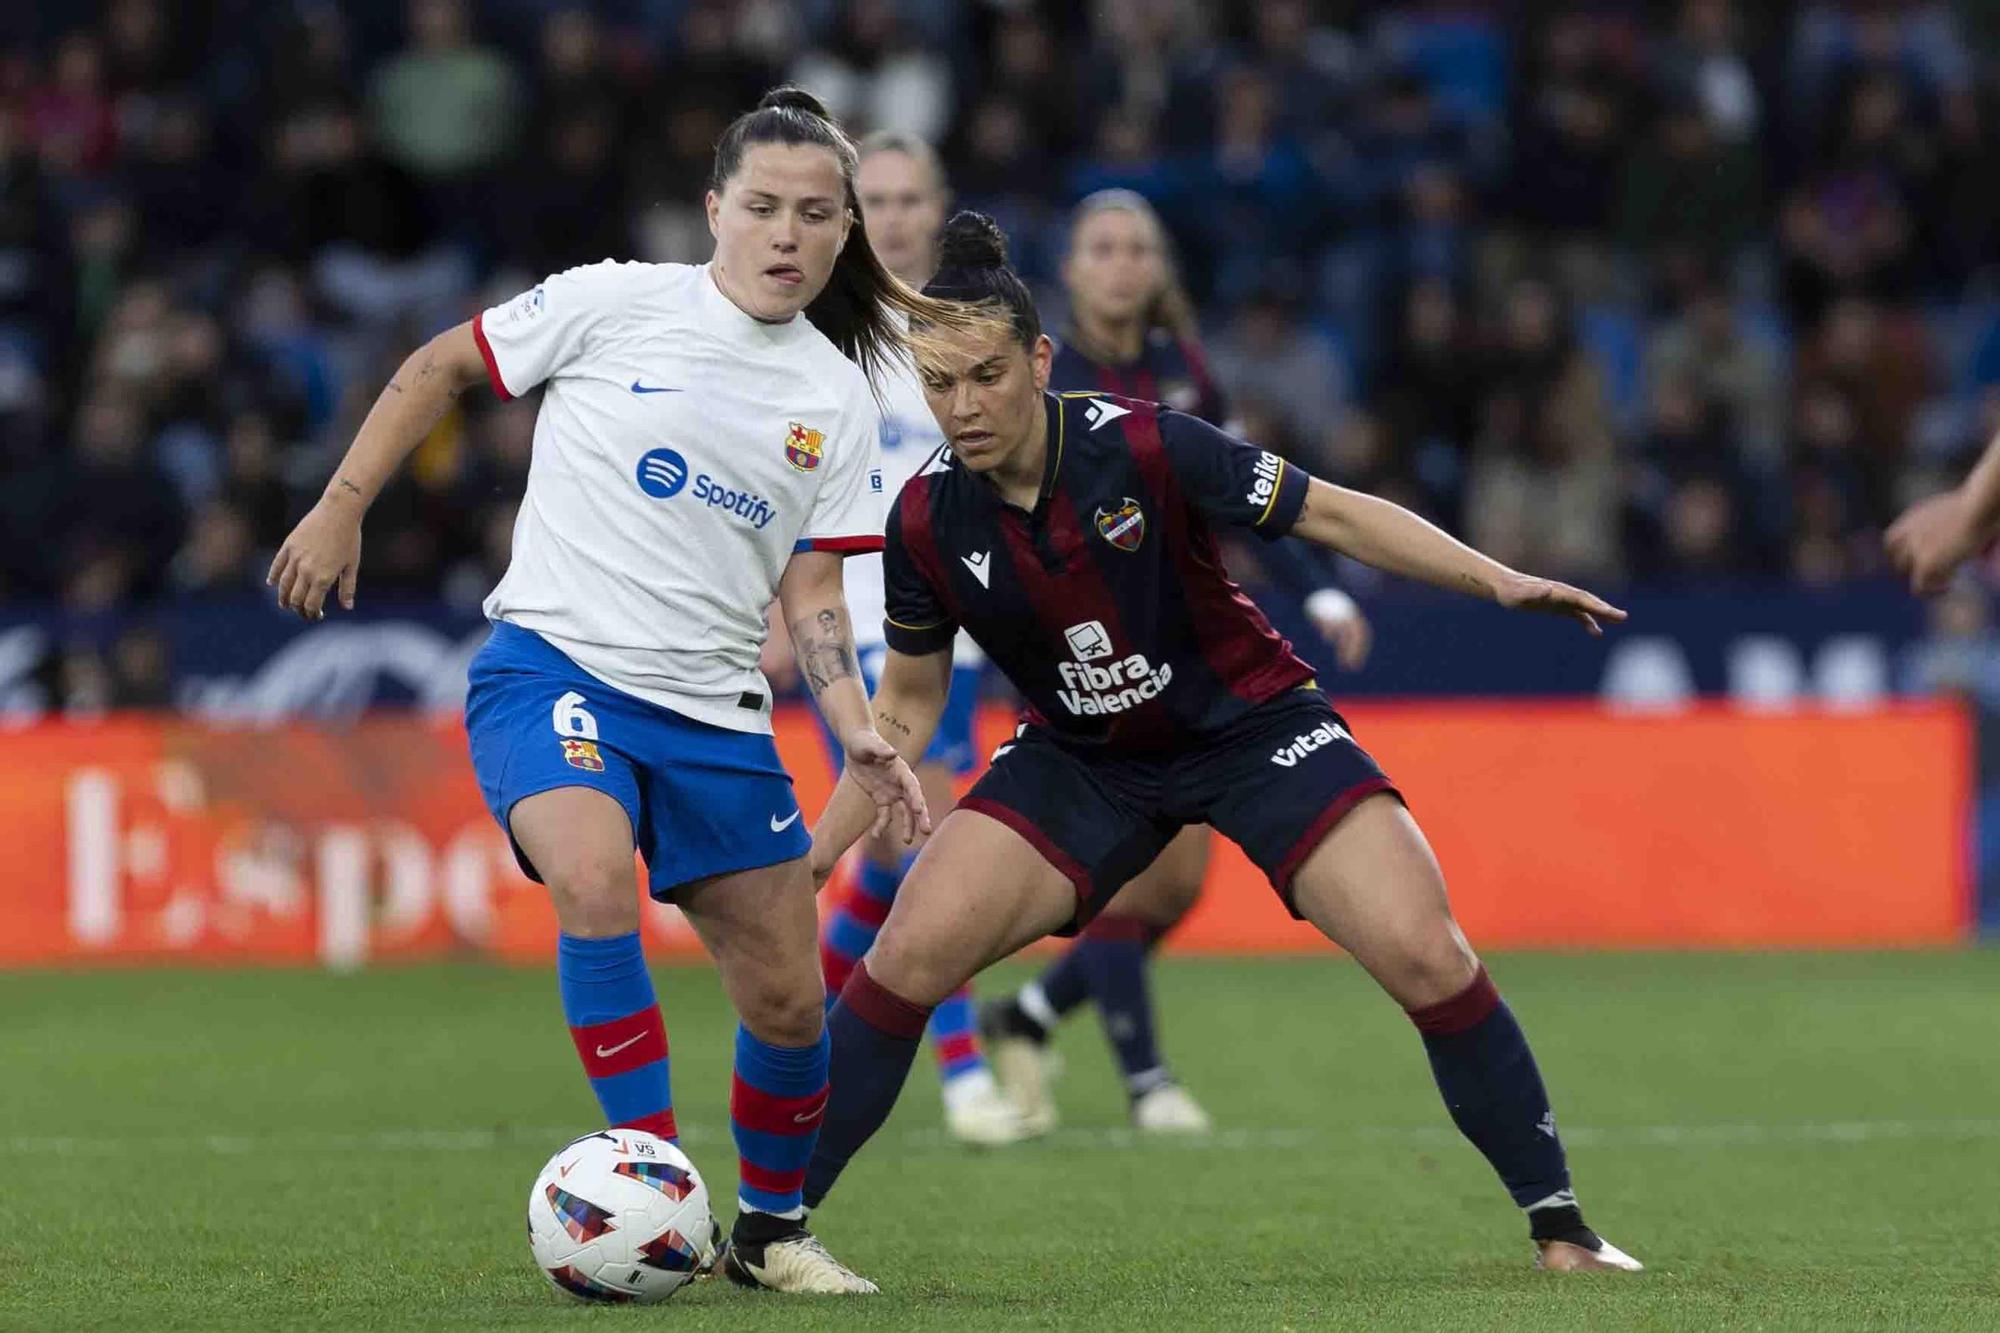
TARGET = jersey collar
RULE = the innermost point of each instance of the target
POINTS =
(1052, 457)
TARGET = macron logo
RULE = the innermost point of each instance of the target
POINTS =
(1100, 412)
(980, 565)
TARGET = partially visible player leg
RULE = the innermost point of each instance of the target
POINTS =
(978, 892)
(1373, 887)
(579, 840)
(1108, 963)
(975, 1110)
(761, 927)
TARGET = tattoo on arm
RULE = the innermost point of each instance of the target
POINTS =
(347, 485)
(890, 722)
(824, 645)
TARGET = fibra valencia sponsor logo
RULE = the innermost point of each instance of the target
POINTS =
(1091, 690)
(663, 474)
(1263, 478)
(1123, 525)
(1325, 734)
(804, 446)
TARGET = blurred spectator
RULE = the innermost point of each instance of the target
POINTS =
(873, 75)
(1706, 346)
(1703, 63)
(1960, 657)
(1572, 129)
(1847, 226)
(1688, 198)
(1268, 356)
(443, 108)
(1543, 485)
(71, 120)
(1880, 362)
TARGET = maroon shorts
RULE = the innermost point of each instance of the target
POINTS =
(1274, 783)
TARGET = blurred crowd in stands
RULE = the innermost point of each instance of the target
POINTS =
(1650, 291)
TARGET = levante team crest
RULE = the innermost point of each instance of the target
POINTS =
(1124, 527)
(803, 447)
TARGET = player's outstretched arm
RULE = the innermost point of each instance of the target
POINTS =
(1393, 539)
(908, 704)
(325, 548)
(1935, 536)
(815, 610)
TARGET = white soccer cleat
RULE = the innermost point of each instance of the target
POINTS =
(1561, 1256)
(794, 1263)
(978, 1113)
(1169, 1109)
(1022, 1067)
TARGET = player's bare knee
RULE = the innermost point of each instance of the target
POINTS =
(1430, 966)
(783, 1015)
(593, 894)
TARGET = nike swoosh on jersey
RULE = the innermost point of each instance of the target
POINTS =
(780, 825)
(651, 388)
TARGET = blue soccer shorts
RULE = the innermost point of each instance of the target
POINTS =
(1275, 782)
(952, 744)
(703, 800)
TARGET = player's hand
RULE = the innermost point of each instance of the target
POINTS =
(880, 771)
(1524, 593)
(1931, 540)
(1340, 622)
(324, 550)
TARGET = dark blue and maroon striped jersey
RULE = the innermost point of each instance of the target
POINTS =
(1168, 371)
(1108, 606)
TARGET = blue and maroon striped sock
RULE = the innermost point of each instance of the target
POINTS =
(607, 998)
(775, 1108)
(851, 930)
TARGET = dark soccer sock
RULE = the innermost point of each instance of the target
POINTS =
(1061, 987)
(875, 1037)
(1487, 1074)
(1113, 954)
(607, 998)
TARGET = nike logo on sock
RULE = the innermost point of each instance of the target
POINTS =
(606, 1052)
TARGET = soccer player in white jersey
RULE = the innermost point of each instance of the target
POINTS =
(700, 448)
(903, 199)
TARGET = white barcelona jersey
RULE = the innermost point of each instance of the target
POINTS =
(910, 435)
(683, 452)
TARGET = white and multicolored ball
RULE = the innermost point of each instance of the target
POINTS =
(620, 1216)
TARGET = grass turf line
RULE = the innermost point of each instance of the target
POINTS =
(1801, 1141)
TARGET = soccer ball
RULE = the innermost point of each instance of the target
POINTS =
(620, 1215)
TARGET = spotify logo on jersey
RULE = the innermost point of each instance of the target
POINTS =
(662, 473)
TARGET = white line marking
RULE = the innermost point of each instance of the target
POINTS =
(1225, 1140)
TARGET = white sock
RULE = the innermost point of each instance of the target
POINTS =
(1034, 1002)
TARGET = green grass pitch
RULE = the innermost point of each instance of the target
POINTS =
(1807, 1142)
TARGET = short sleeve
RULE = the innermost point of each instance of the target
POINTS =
(917, 622)
(847, 512)
(531, 338)
(1230, 481)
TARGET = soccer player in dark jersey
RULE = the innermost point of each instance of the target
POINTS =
(1073, 538)
(1133, 334)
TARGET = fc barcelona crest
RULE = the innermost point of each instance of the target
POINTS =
(583, 754)
(803, 447)
(1124, 527)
